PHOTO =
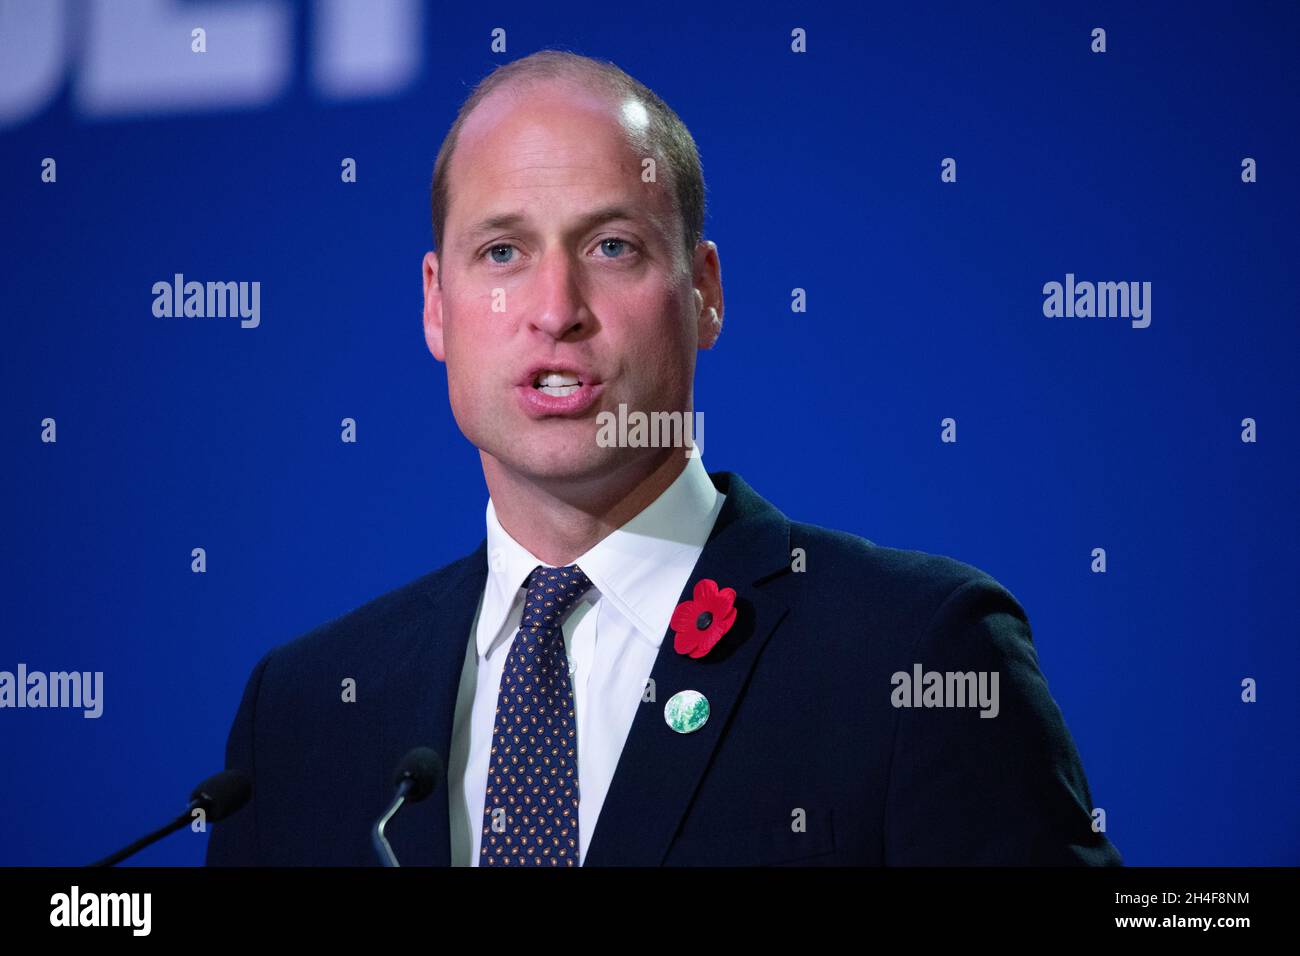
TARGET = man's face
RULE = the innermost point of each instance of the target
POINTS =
(557, 257)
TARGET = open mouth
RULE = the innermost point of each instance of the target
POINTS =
(558, 384)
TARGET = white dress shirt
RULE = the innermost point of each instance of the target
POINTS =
(611, 636)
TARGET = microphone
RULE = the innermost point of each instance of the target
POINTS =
(218, 797)
(417, 776)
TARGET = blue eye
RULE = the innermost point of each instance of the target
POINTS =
(613, 248)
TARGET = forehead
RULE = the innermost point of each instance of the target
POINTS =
(552, 141)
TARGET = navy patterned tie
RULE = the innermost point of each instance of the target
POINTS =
(530, 811)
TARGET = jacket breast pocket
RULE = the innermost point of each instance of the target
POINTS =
(755, 844)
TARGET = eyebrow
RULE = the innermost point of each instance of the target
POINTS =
(511, 220)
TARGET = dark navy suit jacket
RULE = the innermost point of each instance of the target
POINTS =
(803, 725)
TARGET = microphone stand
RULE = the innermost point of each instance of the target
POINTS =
(386, 855)
(154, 837)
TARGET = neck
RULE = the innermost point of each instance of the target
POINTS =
(560, 520)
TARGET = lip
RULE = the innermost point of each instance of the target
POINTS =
(537, 404)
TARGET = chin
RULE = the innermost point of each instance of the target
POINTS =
(551, 467)
(568, 456)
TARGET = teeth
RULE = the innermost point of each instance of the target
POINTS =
(557, 390)
(555, 380)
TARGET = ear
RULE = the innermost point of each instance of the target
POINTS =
(433, 307)
(706, 279)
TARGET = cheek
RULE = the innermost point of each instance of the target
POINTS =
(660, 321)
(467, 352)
(469, 327)
(658, 355)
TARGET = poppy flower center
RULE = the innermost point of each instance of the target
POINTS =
(704, 620)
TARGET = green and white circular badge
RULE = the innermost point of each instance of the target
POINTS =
(686, 711)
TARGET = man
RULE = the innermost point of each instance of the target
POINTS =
(642, 663)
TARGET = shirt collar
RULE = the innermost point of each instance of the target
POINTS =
(640, 568)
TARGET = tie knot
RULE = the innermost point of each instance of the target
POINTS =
(551, 592)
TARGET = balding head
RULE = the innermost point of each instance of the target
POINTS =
(653, 130)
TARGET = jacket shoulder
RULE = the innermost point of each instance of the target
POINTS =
(357, 635)
(865, 573)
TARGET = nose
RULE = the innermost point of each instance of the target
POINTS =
(560, 307)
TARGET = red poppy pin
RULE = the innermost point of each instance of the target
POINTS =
(699, 623)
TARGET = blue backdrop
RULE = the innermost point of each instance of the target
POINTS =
(924, 302)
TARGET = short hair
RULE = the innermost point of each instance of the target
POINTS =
(667, 133)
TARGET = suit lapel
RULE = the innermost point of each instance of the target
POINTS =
(659, 769)
(420, 704)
